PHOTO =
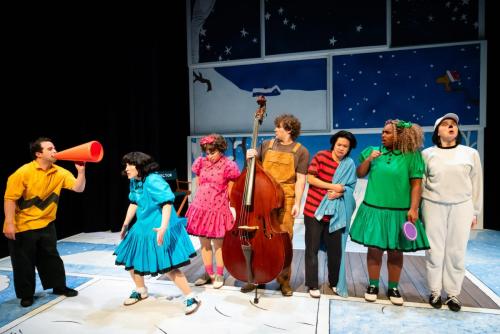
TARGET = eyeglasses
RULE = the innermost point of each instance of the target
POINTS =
(210, 152)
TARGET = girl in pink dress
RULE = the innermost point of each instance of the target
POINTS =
(209, 215)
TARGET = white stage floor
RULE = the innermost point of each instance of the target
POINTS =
(103, 286)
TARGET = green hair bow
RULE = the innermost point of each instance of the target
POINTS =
(403, 124)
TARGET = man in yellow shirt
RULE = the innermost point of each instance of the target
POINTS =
(30, 205)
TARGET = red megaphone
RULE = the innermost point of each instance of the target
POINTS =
(88, 152)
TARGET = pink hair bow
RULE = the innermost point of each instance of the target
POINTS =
(207, 140)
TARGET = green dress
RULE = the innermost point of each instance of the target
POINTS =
(380, 218)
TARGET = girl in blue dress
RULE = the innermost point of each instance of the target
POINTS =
(157, 243)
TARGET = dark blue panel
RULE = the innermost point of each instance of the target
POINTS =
(299, 25)
(304, 75)
(433, 21)
(231, 30)
(416, 85)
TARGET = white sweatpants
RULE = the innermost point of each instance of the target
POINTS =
(448, 229)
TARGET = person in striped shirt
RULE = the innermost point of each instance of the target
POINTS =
(319, 176)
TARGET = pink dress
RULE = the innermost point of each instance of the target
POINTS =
(209, 215)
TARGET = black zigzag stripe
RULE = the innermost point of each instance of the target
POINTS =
(38, 202)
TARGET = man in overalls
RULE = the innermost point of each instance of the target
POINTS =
(286, 161)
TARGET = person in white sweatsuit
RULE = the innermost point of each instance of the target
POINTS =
(452, 198)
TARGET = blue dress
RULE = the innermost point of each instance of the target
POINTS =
(139, 250)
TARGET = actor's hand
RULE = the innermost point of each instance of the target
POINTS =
(412, 215)
(9, 229)
(474, 222)
(251, 152)
(160, 232)
(124, 230)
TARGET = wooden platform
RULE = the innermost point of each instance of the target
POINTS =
(412, 285)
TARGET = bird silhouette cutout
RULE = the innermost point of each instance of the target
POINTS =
(199, 77)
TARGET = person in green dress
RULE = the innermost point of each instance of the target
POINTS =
(395, 171)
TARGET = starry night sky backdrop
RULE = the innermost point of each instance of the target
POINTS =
(373, 87)
(298, 26)
(433, 21)
(419, 92)
(367, 88)
(231, 31)
(232, 28)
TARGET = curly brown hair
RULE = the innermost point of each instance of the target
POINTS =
(213, 141)
(289, 123)
(408, 137)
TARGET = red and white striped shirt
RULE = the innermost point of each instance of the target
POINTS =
(323, 167)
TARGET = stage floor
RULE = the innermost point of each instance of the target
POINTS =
(103, 287)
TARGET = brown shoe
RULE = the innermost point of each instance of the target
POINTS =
(286, 290)
(247, 287)
(250, 287)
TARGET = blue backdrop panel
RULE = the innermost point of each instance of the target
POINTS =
(297, 26)
(418, 85)
(237, 145)
(431, 21)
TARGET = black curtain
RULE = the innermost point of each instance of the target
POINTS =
(119, 80)
(491, 176)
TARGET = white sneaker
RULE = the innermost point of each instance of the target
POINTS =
(315, 293)
(218, 281)
(135, 297)
(334, 289)
(191, 305)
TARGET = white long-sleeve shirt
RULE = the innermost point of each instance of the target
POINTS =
(453, 175)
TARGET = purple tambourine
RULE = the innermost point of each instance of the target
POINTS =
(409, 231)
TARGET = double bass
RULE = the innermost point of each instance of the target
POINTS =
(256, 250)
